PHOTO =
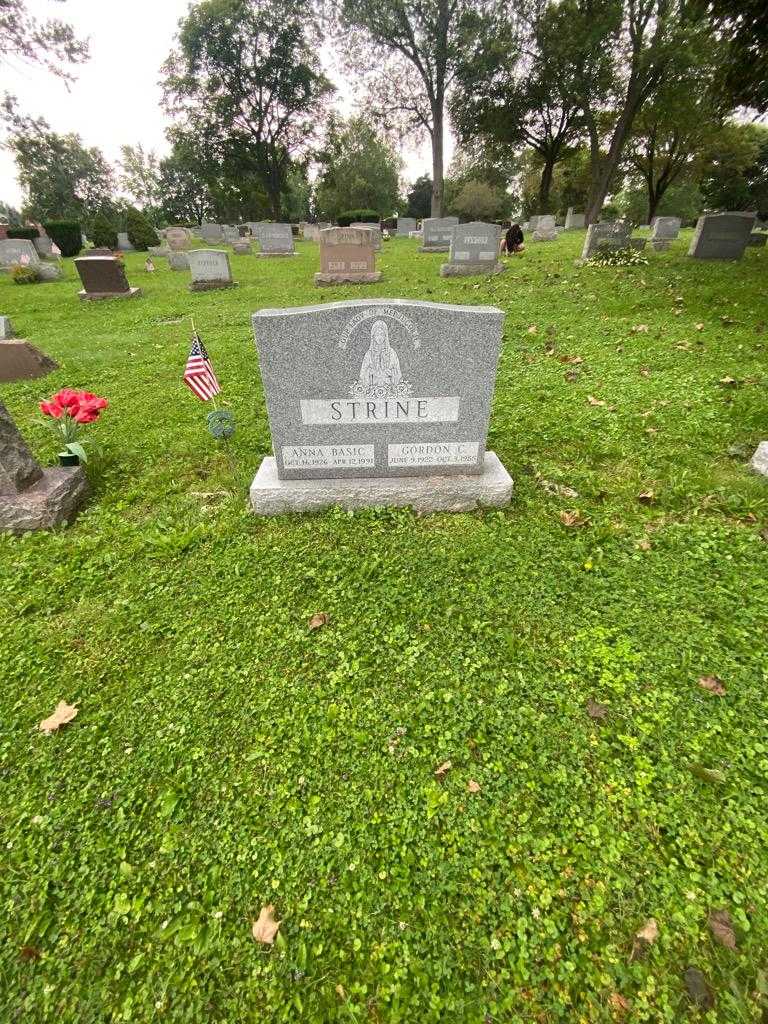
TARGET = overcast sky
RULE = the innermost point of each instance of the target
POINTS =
(115, 99)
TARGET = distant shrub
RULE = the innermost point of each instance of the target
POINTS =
(66, 234)
(141, 234)
(30, 233)
(355, 216)
(25, 275)
(103, 235)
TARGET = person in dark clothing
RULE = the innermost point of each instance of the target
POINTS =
(513, 240)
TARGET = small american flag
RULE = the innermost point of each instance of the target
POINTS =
(198, 373)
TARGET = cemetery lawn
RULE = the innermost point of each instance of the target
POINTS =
(225, 757)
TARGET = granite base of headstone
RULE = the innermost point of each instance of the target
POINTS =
(721, 236)
(178, 261)
(660, 244)
(20, 360)
(474, 250)
(759, 461)
(347, 256)
(103, 277)
(210, 270)
(33, 498)
(379, 402)
(242, 248)
(436, 233)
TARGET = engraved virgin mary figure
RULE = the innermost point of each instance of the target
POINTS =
(381, 367)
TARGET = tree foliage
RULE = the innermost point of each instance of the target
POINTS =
(419, 199)
(140, 178)
(246, 76)
(51, 43)
(358, 169)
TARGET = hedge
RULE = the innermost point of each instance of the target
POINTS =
(30, 233)
(66, 234)
(355, 216)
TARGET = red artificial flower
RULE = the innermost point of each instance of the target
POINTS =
(52, 408)
(67, 397)
(81, 406)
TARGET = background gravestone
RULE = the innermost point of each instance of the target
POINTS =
(379, 402)
(211, 232)
(210, 269)
(6, 328)
(757, 239)
(346, 257)
(231, 233)
(474, 250)
(242, 247)
(405, 225)
(375, 231)
(178, 261)
(610, 235)
(103, 277)
(20, 251)
(177, 239)
(123, 242)
(20, 360)
(437, 233)
(573, 220)
(721, 236)
(33, 498)
(275, 240)
(544, 231)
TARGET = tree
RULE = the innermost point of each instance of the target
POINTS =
(103, 233)
(478, 200)
(407, 52)
(184, 183)
(743, 25)
(140, 232)
(246, 75)
(511, 91)
(358, 170)
(60, 176)
(419, 199)
(735, 168)
(140, 177)
(9, 214)
(51, 44)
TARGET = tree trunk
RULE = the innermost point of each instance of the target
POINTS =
(545, 183)
(653, 204)
(437, 159)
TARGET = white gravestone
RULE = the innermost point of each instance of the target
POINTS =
(19, 252)
(405, 225)
(544, 231)
(573, 220)
(123, 242)
(379, 402)
(474, 250)
(210, 269)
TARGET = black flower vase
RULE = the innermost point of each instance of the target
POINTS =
(68, 459)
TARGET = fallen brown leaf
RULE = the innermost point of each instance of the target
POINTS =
(341, 992)
(319, 619)
(618, 1002)
(699, 327)
(591, 400)
(639, 329)
(572, 376)
(728, 382)
(713, 684)
(644, 544)
(646, 497)
(649, 932)
(572, 517)
(644, 371)
(265, 927)
(473, 787)
(443, 770)
(533, 329)
(28, 953)
(572, 360)
(63, 714)
(698, 988)
(722, 928)
(596, 710)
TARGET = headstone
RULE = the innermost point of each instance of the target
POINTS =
(177, 239)
(533, 222)
(103, 277)
(720, 236)
(231, 233)
(379, 402)
(545, 229)
(474, 250)
(757, 239)
(98, 252)
(20, 360)
(346, 257)
(211, 232)
(44, 247)
(405, 225)
(275, 240)
(123, 242)
(437, 233)
(210, 269)
(415, 234)
(4, 231)
(159, 250)
(611, 235)
(375, 231)
(242, 248)
(311, 233)
(665, 228)
(759, 461)
(6, 328)
(33, 498)
(178, 261)
(19, 252)
(573, 220)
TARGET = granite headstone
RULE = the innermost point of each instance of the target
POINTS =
(474, 250)
(210, 269)
(405, 225)
(178, 261)
(211, 232)
(544, 230)
(103, 277)
(721, 236)
(21, 252)
(123, 242)
(437, 233)
(375, 231)
(346, 257)
(379, 402)
(574, 220)
(757, 240)
(177, 239)
(275, 239)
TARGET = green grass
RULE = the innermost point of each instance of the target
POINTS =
(225, 757)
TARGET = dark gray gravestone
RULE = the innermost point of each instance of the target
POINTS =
(437, 233)
(275, 239)
(381, 398)
(757, 239)
(33, 498)
(103, 277)
(721, 236)
(405, 225)
(474, 250)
